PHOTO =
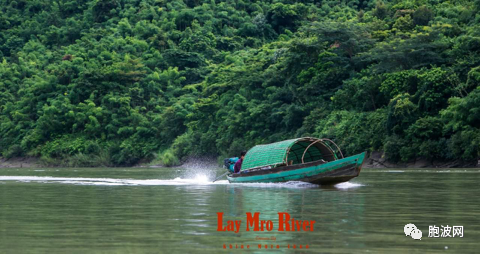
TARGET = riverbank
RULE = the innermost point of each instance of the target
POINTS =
(22, 162)
(374, 160)
(377, 160)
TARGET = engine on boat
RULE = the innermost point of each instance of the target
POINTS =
(229, 163)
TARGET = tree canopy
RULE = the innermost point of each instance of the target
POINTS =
(116, 82)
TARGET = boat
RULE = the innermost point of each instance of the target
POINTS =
(306, 159)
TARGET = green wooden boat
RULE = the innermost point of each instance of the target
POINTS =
(312, 160)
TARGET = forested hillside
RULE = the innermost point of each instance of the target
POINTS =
(115, 82)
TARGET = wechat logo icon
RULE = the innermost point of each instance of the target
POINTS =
(412, 230)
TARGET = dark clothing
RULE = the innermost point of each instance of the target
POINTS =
(238, 166)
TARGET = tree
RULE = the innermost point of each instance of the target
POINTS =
(381, 10)
(422, 16)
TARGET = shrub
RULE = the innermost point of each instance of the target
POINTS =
(14, 151)
(168, 159)
(392, 148)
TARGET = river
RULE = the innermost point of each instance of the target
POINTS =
(174, 210)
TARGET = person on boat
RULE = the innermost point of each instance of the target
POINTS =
(238, 164)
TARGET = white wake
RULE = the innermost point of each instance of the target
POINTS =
(196, 180)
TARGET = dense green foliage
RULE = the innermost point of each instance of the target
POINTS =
(117, 81)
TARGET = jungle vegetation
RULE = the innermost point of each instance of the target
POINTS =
(117, 82)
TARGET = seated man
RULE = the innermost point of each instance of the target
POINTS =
(238, 164)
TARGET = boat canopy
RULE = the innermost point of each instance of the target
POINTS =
(290, 152)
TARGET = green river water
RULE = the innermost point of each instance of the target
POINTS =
(159, 210)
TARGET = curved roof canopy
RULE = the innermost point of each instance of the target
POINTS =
(289, 152)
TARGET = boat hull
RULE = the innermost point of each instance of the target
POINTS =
(314, 172)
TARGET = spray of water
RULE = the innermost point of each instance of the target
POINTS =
(201, 169)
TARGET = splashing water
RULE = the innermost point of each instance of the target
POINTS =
(196, 168)
(201, 179)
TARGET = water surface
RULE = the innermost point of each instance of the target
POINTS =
(145, 210)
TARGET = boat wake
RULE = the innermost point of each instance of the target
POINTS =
(347, 185)
(199, 180)
(196, 180)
